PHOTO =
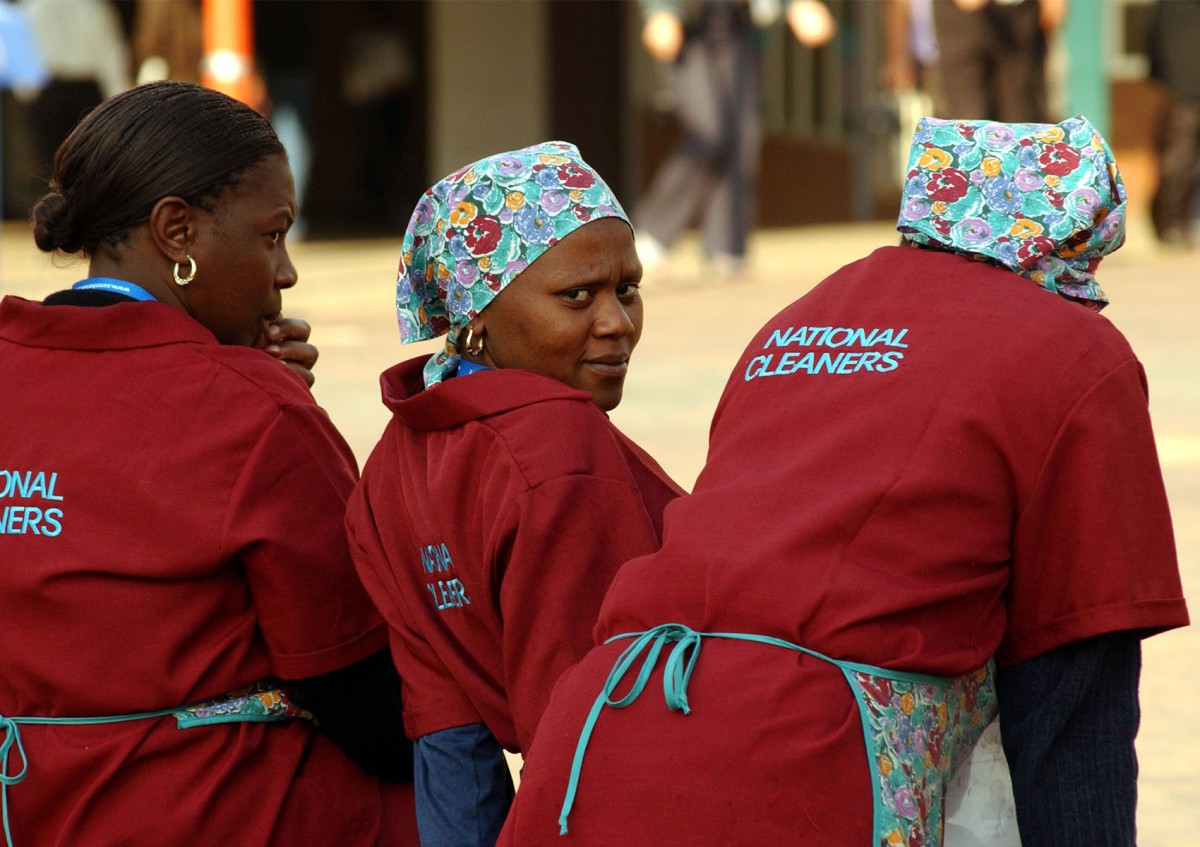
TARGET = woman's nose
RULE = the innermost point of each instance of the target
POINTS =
(614, 319)
(286, 274)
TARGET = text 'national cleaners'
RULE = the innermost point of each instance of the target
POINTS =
(823, 350)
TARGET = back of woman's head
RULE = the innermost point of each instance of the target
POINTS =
(1045, 201)
(158, 140)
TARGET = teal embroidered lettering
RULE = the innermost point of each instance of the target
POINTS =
(868, 359)
(758, 366)
(30, 519)
(891, 361)
(445, 593)
(28, 485)
(53, 524)
(889, 338)
(8, 519)
(828, 363)
(847, 335)
(849, 363)
(779, 338)
(787, 363)
(436, 557)
(813, 363)
(454, 593)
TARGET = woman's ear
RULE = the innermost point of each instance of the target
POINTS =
(172, 228)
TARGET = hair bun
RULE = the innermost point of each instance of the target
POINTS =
(52, 224)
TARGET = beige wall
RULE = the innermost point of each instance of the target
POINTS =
(488, 71)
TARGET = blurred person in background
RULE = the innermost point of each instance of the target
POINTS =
(911, 55)
(710, 50)
(993, 58)
(1175, 63)
(84, 48)
(168, 40)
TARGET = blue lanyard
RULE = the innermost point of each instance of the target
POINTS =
(116, 286)
(466, 368)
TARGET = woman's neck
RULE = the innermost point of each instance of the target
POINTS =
(153, 276)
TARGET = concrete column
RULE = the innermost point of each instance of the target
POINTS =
(488, 79)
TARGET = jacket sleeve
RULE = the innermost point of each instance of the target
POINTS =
(1093, 549)
(284, 522)
(570, 536)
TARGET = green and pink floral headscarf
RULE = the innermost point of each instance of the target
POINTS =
(477, 229)
(1044, 200)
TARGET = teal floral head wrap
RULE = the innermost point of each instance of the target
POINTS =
(1043, 200)
(477, 229)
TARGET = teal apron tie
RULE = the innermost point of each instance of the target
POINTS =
(260, 703)
(677, 672)
(12, 739)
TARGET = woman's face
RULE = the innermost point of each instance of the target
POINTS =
(575, 314)
(242, 263)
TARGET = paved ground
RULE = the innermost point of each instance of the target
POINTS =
(696, 327)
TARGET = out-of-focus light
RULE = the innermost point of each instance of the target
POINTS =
(226, 66)
(662, 35)
(811, 22)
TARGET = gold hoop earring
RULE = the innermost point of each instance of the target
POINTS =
(473, 345)
(181, 281)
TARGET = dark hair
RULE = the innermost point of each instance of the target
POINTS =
(158, 140)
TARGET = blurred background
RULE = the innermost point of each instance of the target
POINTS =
(376, 99)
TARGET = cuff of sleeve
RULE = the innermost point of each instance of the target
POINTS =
(435, 717)
(317, 662)
(1150, 616)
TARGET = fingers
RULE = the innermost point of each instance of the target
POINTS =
(283, 329)
(287, 340)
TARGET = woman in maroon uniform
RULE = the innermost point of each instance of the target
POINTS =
(501, 500)
(927, 467)
(172, 500)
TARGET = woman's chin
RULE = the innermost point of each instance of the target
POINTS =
(608, 397)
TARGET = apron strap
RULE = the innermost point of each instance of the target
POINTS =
(257, 704)
(677, 671)
(676, 674)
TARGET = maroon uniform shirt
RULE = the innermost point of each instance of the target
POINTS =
(488, 524)
(924, 462)
(170, 531)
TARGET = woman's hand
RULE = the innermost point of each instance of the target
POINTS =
(287, 340)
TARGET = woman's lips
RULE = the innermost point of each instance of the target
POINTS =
(608, 367)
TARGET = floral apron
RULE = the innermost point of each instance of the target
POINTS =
(918, 728)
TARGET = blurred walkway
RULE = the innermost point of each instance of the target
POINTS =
(695, 329)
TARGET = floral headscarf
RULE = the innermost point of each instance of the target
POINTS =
(1044, 200)
(477, 229)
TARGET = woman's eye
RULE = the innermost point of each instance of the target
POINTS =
(276, 236)
(628, 290)
(578, 295)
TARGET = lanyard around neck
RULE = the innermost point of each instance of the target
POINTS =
(116, 286)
